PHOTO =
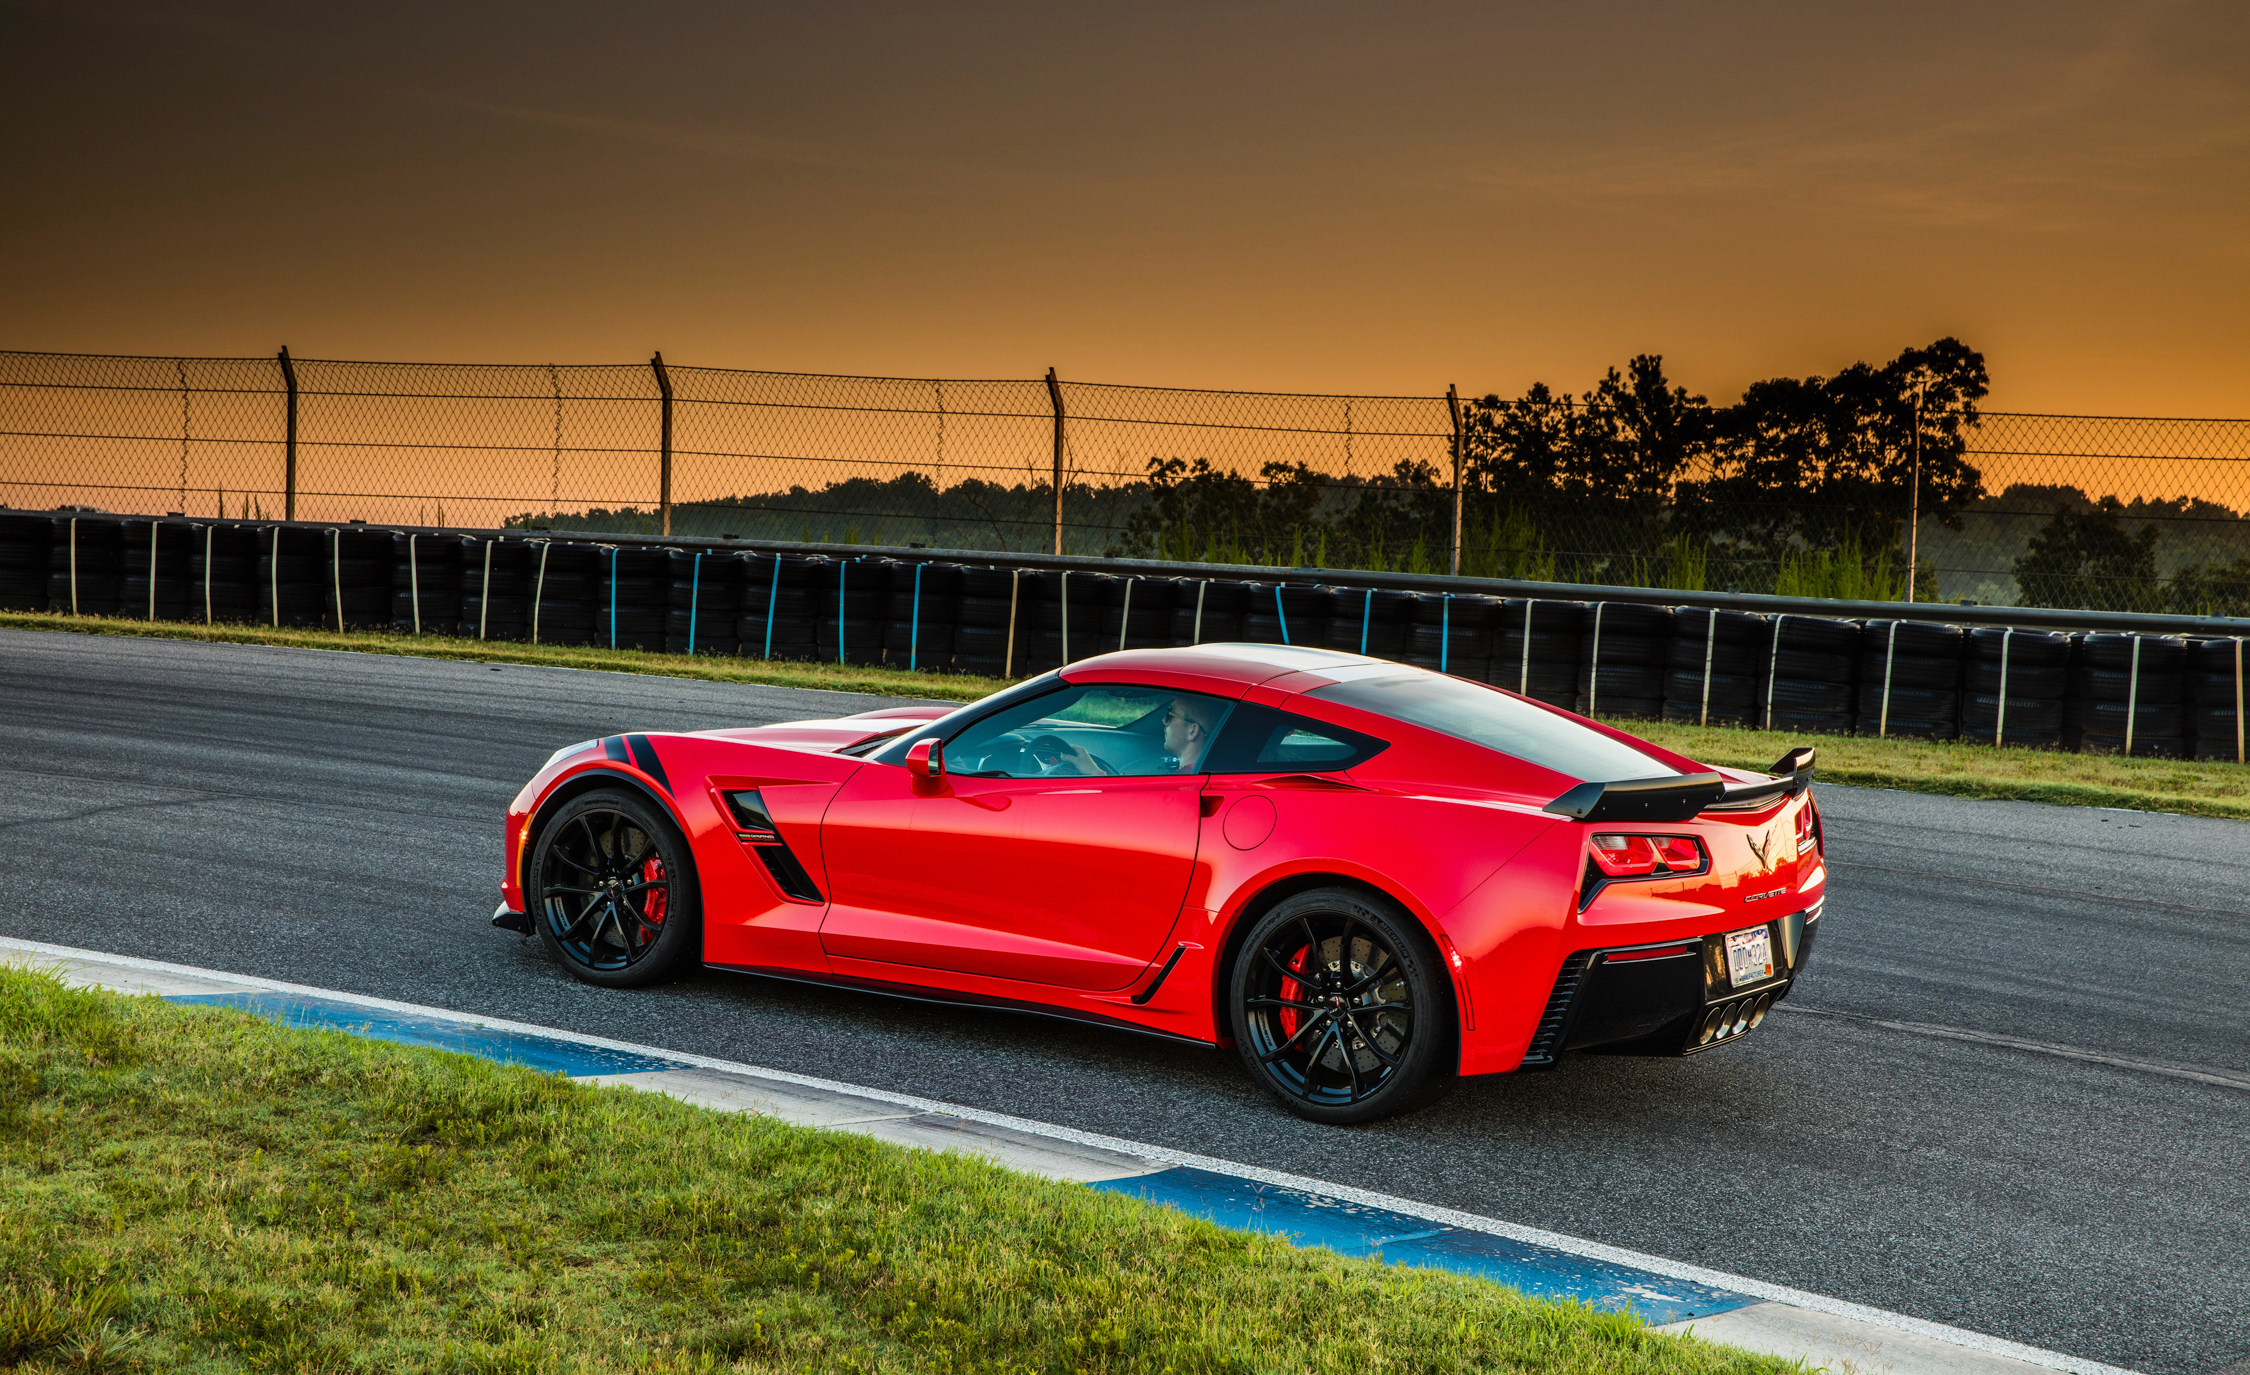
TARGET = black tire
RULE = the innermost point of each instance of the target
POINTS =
(2114, 650)
(1809, 666)
(592, 856)
(1827, 699)
(1908, 671)
(1622, 680)
(1730, 690)
(1360, 950)
(1817, 634)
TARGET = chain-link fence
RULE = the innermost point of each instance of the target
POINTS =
(2113, 513)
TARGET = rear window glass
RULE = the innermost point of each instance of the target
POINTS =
(1259, 739)
(1467, 711)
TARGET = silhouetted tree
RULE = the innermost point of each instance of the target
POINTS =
(2086, 558)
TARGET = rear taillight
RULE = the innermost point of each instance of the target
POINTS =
(1640, 856)
(1808, 830)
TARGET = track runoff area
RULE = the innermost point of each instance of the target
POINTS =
(2015, 1098)
(1671, 1296)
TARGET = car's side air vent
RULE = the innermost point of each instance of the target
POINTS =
(1547, 1040)
(754, 827)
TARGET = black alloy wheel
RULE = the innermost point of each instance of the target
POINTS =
(614, 892)
(1339, 1008)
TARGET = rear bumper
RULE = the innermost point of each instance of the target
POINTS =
(1670, 998)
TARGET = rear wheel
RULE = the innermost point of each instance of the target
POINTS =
(613, 894)
(1338, 1008)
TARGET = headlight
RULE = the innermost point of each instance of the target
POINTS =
(567, 751)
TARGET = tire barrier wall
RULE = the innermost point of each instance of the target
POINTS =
(2105, 690)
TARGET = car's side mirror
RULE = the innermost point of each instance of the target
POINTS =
(926, 761)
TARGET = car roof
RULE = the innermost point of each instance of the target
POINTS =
(1244, 665)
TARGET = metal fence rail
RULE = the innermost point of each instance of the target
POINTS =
(1224, 477)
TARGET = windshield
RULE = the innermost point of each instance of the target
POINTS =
(1481, 716)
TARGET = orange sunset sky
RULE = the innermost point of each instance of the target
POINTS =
(1294, 197)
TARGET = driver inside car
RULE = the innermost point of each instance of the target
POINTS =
(1190, 721)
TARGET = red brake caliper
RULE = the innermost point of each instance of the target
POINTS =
(1292, 991)
(655, 899)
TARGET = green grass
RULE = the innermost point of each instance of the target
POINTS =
(1957, 769)
(1950, 768)
(198, 1189)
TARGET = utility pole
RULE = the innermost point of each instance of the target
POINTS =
(289, 451)
(664, 459)
(1914, 502)
(1054, 394)
(1453, 404)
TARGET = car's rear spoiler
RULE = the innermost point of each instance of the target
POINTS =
(1682, 797)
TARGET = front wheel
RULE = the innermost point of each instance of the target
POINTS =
(613, 893)
(1339, 1008)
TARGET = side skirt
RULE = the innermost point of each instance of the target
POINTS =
(916, 993)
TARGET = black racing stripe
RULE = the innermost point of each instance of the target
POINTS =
(614, 747)
(644, 755)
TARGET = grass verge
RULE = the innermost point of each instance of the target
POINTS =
(1951, 768)
(887, 682)
(198, 1189)
(1963, 770)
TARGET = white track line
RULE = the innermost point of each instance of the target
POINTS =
(1577, 1246)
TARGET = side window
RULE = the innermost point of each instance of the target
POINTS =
(1113, 729)
(1262, 740)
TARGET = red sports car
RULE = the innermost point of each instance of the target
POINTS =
(1366, 877)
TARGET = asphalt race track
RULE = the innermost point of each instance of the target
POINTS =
(2012, 1093)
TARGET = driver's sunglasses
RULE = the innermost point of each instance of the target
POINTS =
(1177, 715)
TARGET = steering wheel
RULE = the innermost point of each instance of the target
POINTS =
(1050, 749)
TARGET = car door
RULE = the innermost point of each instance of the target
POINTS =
(1020, 864)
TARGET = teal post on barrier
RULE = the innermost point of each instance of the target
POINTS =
(694, 592)
(914, 626)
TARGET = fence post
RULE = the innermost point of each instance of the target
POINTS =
(289, 461)
(664, 462)
(1453, 404)
(1054, 394)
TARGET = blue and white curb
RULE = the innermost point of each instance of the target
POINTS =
(1675, 1297)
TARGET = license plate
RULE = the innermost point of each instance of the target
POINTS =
(1749, 956)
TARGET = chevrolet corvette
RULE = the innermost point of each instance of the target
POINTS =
(1366, 878)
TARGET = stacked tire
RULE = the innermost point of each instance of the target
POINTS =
(925, 600)
(496, 577)
(1372, 622)
(1455, 634)
(1206, 612)
(1622, 655)
(2125, 695)
(566, 590)
(2012, 687)
(426, 584)
(702, 603)
(155, 576)
(990, 614)
(1067, 610)
(1909, 679)
(1139, 614)
(855, 600)
(781, 606)
(83, 556)
(23, 561)
(293, 574)
(2218, 693)
(1807, 681)
(1713, 666)
(1287, 613)
(223, 567)
(356, 576)
(1537, 652)
(632, 598)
